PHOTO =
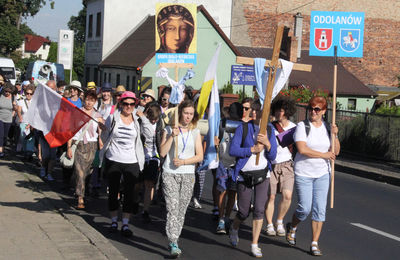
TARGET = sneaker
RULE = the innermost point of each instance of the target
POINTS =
(42, 172)
(280, 230)
(113, 227)
(196, 204)
(270, 231)
(146, 217)
(49, 177)
(256, 251)
(234, 237)
(174, 250)
(2, 155)
(221, 227)
(290, 234)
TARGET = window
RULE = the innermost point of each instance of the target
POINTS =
(352, 104)
(40, 56)
(118, 79)
(98, 24)
(90, 32)
(44, 46)
(105, 77)
(109, 77)
(127, 82)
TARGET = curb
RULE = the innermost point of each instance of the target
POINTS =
(368, 172)
(59, 205)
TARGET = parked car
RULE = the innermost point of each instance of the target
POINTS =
(7, 68)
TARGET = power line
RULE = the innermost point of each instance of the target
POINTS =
(260, 20)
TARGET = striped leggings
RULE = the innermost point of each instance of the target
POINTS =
(199, 184)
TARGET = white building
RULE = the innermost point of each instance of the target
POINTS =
(35, 45)
(110, 21)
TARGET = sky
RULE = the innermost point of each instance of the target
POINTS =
(47, 22)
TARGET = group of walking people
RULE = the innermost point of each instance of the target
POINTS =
(135, 143)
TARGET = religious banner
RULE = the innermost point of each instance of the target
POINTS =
(176, 33)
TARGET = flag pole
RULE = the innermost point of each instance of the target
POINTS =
(176, 112)
(333, 137)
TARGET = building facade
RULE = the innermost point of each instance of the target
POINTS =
(109, 22)
(254, 23)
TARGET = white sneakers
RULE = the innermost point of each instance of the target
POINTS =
(256, 251)
(280, 230)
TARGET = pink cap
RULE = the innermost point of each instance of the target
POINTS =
(128, 94)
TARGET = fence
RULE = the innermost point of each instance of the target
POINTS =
(369, 135)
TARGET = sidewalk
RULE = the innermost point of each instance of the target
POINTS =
(35, 223)
(369, 168)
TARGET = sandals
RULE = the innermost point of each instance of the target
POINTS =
(290, 234)
(81, 204)
(125, 231)
(114, 227)
(315, 251)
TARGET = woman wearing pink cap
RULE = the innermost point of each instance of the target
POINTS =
(124, 155)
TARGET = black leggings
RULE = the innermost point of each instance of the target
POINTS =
(130, 173)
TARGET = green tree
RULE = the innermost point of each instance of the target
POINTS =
(78, 25)
(52, 57)
(11, 14)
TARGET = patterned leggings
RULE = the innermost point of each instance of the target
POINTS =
(178, 189)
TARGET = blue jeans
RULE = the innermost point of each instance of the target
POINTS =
(312, 196)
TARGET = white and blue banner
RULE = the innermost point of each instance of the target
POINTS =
(342, 29)
(176, 58)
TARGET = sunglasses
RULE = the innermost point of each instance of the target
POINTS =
(164, 99)
(28, 94)
(246, 108)
(315, 109)
(147, 96)
(128, 104)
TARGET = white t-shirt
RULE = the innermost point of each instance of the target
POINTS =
(91, 134)
(317, 140)
(122, 147)
(24, 108)
(251, 163)
(283, 154)
(150, 146)
(186, 150)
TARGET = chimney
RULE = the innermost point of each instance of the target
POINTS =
(298, 31)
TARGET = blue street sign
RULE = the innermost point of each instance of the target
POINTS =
(176, 58)
(243, 75)
(342, 29)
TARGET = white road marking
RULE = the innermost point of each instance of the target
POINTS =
(382, 233)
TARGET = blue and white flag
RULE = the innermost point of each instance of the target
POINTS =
(176, 95)
(261, 74)
(214, 118)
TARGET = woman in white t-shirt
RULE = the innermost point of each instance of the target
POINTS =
(178, 172)
(27, 144)
(123, 150)
(282, 175)
(87, 145)
(312, 169)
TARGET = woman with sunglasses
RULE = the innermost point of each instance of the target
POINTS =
(178, 172)
(312, 169)
(124, 156)
(28, 145)
(7, 107)
(164, 99)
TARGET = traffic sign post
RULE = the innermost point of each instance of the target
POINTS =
(342, 29)
(336, 34)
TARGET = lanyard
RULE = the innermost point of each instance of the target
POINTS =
(184, 141)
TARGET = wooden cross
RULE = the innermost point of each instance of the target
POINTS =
(273, 64)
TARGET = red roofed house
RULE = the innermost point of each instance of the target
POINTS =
(35, 45)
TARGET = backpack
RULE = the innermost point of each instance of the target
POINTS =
(308, 128)
(246, 129)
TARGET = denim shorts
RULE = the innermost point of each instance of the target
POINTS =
(312, 197)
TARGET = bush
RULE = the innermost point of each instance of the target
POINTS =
(303, 94)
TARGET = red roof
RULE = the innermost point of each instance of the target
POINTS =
(33, 42)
